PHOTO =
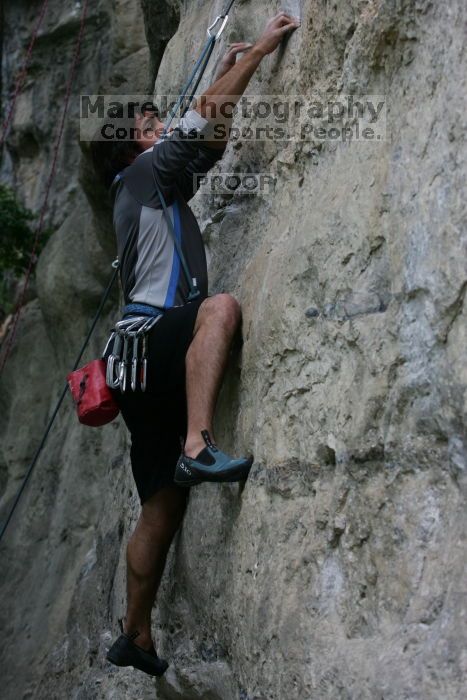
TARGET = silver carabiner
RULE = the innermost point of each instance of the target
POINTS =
(134, 360)
(122, 367)
(112, 336)
(144, 364)
(129, 324)
(144, 356)
(146, 327)
(111, 380)
(225, 19)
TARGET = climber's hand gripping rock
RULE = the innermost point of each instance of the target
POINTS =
(275, 30)
(228, 89)
(230, 58)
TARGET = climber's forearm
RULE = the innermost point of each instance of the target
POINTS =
(218, 101)
(230, 59)
(233, 84)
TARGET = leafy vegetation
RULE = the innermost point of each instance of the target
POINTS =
(16, 241)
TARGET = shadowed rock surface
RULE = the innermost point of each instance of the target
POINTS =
(338, 570)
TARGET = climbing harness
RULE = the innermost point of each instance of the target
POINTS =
(136, 359)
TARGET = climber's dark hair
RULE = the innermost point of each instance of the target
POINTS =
(111, 156)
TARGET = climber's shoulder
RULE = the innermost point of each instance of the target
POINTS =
(137, 178)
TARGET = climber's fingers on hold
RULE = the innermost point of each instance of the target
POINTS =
(276, 28)
(290, 26)
(287, 20)
(239, 47)
(283, 19)
(273, 21)
(283, 23)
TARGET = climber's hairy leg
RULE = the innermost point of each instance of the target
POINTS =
(217, 322)
(147, 549)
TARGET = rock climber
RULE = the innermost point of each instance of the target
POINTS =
(189, 345)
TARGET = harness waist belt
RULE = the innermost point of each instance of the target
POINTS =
(142, 309)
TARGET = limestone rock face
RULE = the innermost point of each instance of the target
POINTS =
(338, 569)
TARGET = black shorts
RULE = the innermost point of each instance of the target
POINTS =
(157, 419)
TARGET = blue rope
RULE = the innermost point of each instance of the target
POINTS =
(193, 92)
(207, 50)
(201, 65)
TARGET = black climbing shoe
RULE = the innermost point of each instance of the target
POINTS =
(124, 652)
(210, 465)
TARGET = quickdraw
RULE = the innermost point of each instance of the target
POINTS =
(127, 365)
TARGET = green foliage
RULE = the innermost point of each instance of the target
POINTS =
(16, 241)
(16, 235)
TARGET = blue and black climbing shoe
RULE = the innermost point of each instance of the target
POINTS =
(211, 464)
(124, 652)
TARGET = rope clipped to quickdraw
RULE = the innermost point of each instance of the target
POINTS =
(198, 73)
(201, 66)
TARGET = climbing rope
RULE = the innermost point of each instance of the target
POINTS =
(33, 256)
(201, 65)
(22, 75)
(59, 403)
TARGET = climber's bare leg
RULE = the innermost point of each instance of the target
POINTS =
(218, 319)
(147, 549)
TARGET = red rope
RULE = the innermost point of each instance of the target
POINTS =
(22, 76)
(33, 258)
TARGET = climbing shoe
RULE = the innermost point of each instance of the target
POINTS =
(211, 464)
(124, 652)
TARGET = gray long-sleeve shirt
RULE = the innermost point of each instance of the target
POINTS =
(150, 268)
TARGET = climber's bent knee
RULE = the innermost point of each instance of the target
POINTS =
(223, 308)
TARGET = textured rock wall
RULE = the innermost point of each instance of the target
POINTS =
(338, 570)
